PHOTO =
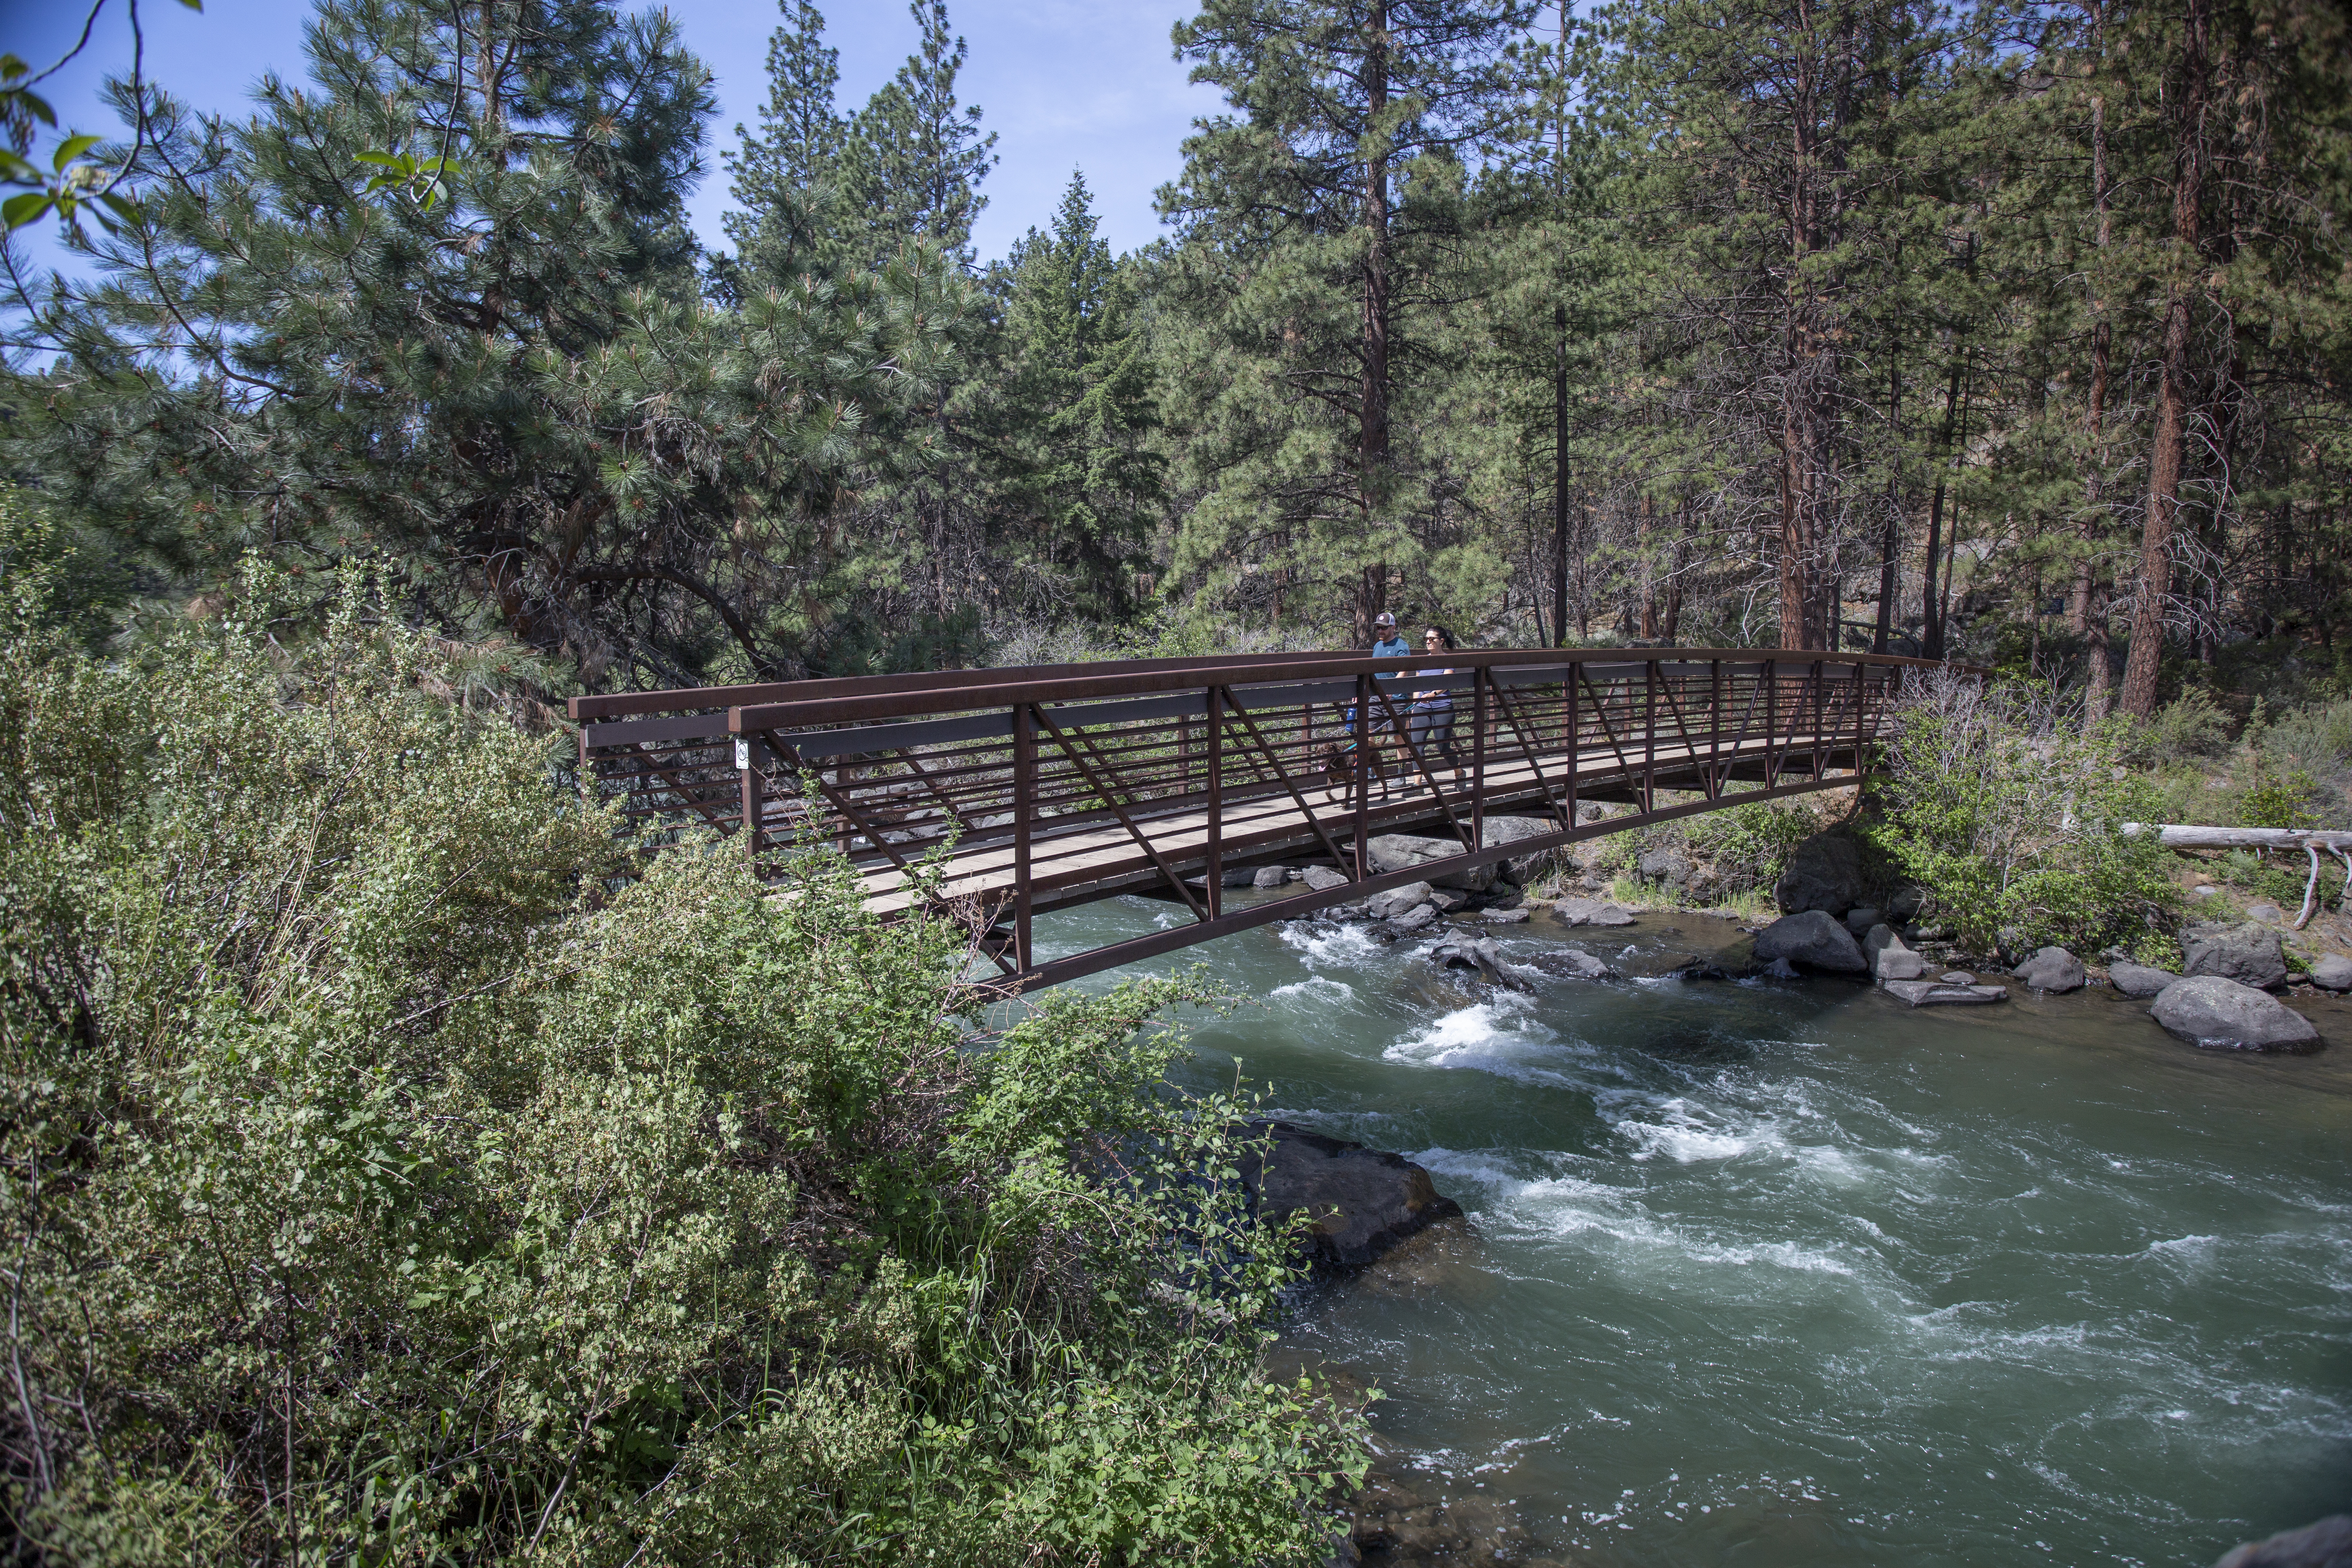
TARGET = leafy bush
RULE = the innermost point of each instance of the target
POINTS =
(2189, 726)
(382, 1185)
(2014, 821)
(1751, 844)
(2280, 800)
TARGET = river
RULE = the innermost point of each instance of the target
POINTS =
(1767, 1273)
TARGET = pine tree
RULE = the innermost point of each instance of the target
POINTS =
(1078, 408)
(1317, 223)
(517, 395)
(914, 158)
(787, 176)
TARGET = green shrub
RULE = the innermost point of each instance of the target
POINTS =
(2014, 821)
(2189, 726)
(382, 1186)
(2280, 800)
(1750, 843)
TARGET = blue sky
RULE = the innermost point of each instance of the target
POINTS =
(1090, 84)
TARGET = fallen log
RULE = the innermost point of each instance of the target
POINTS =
(2311, 841)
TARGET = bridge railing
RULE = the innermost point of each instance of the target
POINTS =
(1059, 784)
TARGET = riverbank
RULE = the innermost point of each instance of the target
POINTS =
(1784, 1272)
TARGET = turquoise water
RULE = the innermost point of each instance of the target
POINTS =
(1767, 1273)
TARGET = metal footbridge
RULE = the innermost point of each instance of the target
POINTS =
(991, 796)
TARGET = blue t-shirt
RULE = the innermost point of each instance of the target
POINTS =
(1394, 647)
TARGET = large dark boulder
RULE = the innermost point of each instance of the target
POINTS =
(2327, 1545)
(2054, 969)
(1404, 851)
(1362, 1200)
(2248, 954)
(1467, 949)
(1574, 962)
(2222, 1015)
(1529, 868)
(1824, 873)
(1813, 940)
(1395, 901)
(2140, 979)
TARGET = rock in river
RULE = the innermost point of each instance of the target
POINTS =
(2333, 972)
(1589, 913)
(1362, 1200)
(2222, 1015)
(2327, 1545)
(1937, 994)
(2139, 979)
(1814, 940)
(1396, 901)
(2054, 969)
(2247, 953)
(1573, 961)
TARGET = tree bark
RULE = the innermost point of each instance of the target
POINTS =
(1372, 448)
(1931, 624)
(1559, 474)
(2169, 452)
(2088, 610)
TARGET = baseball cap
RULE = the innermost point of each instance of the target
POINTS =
(1384, 620)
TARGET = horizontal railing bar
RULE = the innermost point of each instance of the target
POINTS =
(803, 710)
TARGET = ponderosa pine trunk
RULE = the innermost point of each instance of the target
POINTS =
(2168, 454)
(1372, 408)
(2088, 611)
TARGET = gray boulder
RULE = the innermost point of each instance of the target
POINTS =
(1824, 873)
(1271, 877)
(2223, 1015)
(1905, 904)
(2248, 954)
(1447, 900)
(1236, 877)
(1396, 901)
(1404, 851)
(1956, 977)
(1574, 962)
(1889, 959)
(2269, 914)
(2327, 1545)
(1814, 940)
(1671, 866)
(1936, 993)
(1479, 952)
(1530, 868)
(1414, 919)
(2139, 980)
(1322, 879)
(1860, 918)
(1589, 913)
(2333, 972)
(1362, 1202)
(2054, 969)
(1503, 916)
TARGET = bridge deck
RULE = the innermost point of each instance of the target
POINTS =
(992, 795)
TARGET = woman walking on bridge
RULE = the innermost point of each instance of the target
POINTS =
(1433, 709)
